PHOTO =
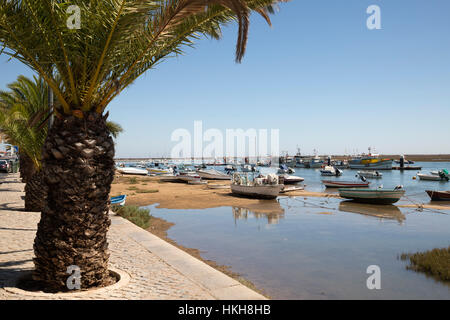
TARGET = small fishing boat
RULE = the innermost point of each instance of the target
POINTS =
(197, 182)
(375, 196)
(119, 200)
(249, 168)
(285, 169)
(264, 187)
(345, 184)
(441, 175)
(189, 177)
(292, 188)
(132, 170)
(212, 174)
(218, 186)
(370, 174)
(439, 195)
(330, 171)
(160, 170)
(168, 178)
(288, 179)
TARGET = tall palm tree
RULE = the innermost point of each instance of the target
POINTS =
(20, 107)
(118, 40)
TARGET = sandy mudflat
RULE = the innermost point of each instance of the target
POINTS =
(173, 195)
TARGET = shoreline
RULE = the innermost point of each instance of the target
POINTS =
(146, 191)
(159, 228)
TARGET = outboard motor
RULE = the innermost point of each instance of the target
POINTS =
(402, 162)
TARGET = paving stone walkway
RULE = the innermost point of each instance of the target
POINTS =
(157, 269)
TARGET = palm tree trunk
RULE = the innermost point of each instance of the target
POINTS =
(78, 167)
(35, 193)
(27, 167)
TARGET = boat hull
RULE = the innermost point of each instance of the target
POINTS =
(430, 177)
(379, 165)
(439, 195)
(258, 192)
(213, 176)
(134, 171)
(373, 196)
(344, 184)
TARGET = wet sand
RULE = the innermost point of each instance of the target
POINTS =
(173, 195)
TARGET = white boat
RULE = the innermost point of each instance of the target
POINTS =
(370, 174)
(264, 187)
(330, 171)
(160, 170)
(132, 170)
(168, 178)
(189, 177)
(255, 191)
(285, 169)
(287, 179)
(218, 186)
(433, 177)
(212, 174)
(197, 182)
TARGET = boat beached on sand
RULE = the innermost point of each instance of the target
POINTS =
(212, 174)
(263, 187)
(345, 184)
(132, 170)
(375, 196)
(119, 200)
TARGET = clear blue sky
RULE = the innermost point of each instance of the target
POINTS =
(319, 75)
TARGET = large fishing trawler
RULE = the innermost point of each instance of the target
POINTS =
(370, 161)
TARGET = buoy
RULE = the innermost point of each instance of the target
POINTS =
(414, 178)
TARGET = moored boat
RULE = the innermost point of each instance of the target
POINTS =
(439, 195)
(119, 200)
(370, 174)
(259, 192)
(212, 174)
(370, 161)
(345, 184)
(330, 171)
(132, 170)
(288, 179)
(375, 196)
(441, 175)
(263, 187)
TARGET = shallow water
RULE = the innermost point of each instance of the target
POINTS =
(317, 248)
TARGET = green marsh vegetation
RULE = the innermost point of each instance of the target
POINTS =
(138, 216)
(435, 263)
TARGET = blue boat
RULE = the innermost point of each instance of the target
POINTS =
(119, 200)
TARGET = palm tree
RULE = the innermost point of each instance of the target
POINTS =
(117, 42)
(18, 106)
(19, 109)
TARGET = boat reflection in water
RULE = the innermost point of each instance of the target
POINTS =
(386, 211)
(273, 212)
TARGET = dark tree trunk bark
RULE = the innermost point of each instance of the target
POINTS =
(27, 167)
(78, 167)
(35, 193)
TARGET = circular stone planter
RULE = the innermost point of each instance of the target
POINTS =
(124, 279)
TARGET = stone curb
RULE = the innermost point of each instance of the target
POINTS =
(124, 280)
(215, 282)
